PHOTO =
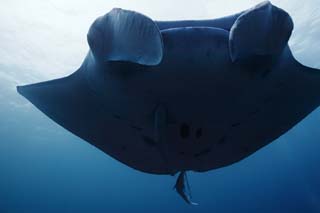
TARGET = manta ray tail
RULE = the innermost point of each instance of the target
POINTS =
(183, 188)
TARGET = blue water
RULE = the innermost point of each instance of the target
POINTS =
(44, 168)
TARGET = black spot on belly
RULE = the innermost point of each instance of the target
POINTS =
(123, 148)
(149, 141)
(199, 133)
(184, 131)
(202, 153)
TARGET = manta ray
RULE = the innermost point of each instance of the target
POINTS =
(165, 97)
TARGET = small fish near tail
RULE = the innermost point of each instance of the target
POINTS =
(183, 188)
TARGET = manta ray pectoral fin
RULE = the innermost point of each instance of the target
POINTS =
(123, 35)
(182, 189)
(260, 31)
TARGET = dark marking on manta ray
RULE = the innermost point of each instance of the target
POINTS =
(149, 141)
(123, 148)
(202, 153)
(184, 131)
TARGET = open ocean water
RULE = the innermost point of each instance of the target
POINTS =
(44, 168)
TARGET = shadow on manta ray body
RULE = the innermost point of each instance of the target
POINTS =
(172, 96)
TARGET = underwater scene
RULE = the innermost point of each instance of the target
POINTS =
(159, 106)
